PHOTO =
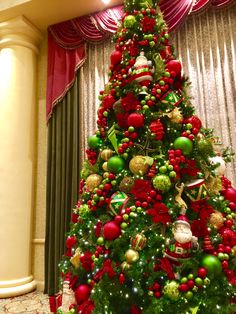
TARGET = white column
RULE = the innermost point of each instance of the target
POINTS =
(18, 57)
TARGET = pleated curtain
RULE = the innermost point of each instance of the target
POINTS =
(205, 44)
(63, 168)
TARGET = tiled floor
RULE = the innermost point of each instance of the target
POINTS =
(31, 303)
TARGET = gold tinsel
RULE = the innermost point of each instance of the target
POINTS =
(75, 259)
(216, 220)
(214, 185)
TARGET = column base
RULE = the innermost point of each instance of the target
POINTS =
(13, 288)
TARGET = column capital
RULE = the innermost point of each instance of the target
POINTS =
(19, 32)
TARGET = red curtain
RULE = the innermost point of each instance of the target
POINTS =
(67, 40)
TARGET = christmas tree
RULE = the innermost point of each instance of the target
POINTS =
(154, 229)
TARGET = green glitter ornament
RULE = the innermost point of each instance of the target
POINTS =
(161, 183)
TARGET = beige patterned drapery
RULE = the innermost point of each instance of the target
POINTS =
(206, 46)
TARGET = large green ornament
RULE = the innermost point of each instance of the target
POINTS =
(115, 164)
(118, 200)
(161, 183)
(171, 290)
(129, 21)
(183, 143)
(212, 265)
(94, 142)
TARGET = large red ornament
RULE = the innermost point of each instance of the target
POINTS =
(82, 293)
(230, 194)
(111, 230)
(136, 120)
(70, 241)
(174, 65)
(195, 121)
(116, 57)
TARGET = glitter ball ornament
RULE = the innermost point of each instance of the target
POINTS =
(174, 65)
(131, 256)
(138, 165)
(205, 147)
(216, 220)
(118, 200)
(115, 164)
(106, 154)
(138, 242)
(161, 183)
(171, 290)
(221, 167)
(136, 120)
(157, 128)
(93, 181)
(126, 184)
(129, 21)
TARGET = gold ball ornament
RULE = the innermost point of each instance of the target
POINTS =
(126, 184)
(106, 154)
(138, 165)
(216, 220)
(93, 181)
(104, 166)
(131, 256)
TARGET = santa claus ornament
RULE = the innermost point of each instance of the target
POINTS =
(142, 70)
(183, 242)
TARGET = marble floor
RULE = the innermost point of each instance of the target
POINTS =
(32, 303)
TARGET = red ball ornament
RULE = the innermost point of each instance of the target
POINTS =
(183, 287)
(174, 65)
(111, 230)
(195, 121)
(136, 120)
(70, 241)
(230, 194)
(202, 272)
(116, 57)
(191, 283)
(82, 293)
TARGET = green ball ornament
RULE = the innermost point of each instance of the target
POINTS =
(205, 146)
(129, 21)
(161, 183)
(171, 290)
(212, 265)
(115, 164)
(185, 144)
(93, 141)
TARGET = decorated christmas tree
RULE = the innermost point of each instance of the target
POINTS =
(154, 228)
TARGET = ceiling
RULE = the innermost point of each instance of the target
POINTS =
(46, 12)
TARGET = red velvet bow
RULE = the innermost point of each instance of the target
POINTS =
(159, 213)
(106, 268)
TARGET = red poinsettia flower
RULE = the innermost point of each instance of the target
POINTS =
(86, 261)
(86, 307)
(190, 168)
(197, 206)
(159, 213)
(167, 267)
(148, 24)
(122, 119)
(199, 229)
(140, 189)
(129, 102)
